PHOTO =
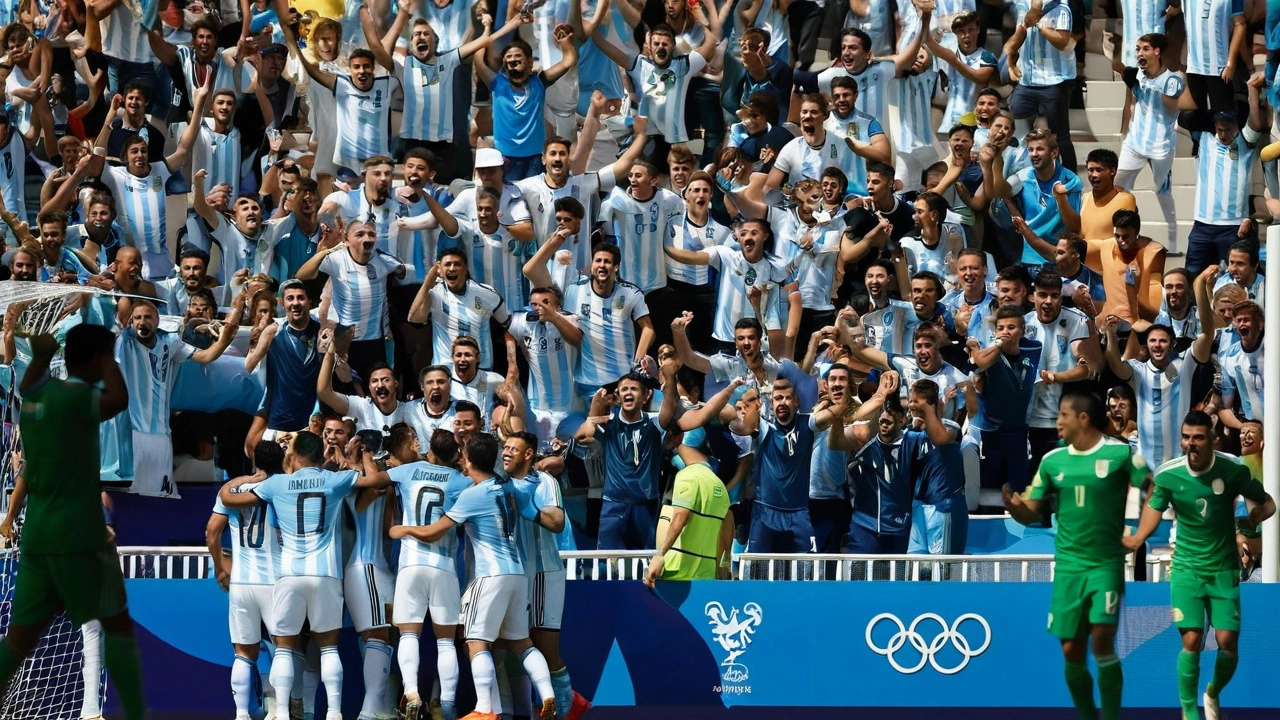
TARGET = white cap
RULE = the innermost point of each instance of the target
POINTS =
(488, 158)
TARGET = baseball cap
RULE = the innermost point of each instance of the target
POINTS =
(273, 48)
(488, 158)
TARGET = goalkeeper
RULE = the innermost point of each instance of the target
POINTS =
(67, 559)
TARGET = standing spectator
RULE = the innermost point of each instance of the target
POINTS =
(435, 410)
(1008, 369)
(134, 103)
(1100, 205)
(861, 132)
(379, 411)
(495, 257)
(882, 494)
(1243, 368)
(1082, 288)
(291, 350)
(195, 62)
(1242, 269)
(1216, 37)
(289, 241)
(550, 338)
(1179, 310)
(469, 382)
(971, 67)
(1047, 65)
(1066, 338)
(931, 462)
(124, 42)
(1048, 191)
(780, 520)
(1152, 136)
(371, 202)
(457, 305)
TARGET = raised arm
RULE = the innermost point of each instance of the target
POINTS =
(420, 310)
(448, 223)
(228, 333)
(562, 35)
(903, 61)
(327, 79)
(199, 203)
(178, 158)
(710, 22)
(689, 357)
(1115, 361)
(611, 51)
(535, 268)
(1202, 347)
(324, 386)
(710, 410)
(688, 257)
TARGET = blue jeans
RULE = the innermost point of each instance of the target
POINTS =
(627, 526)
(1208, 245)
(120, 72)
(780, 531)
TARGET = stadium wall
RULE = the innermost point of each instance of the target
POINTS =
(745, 649)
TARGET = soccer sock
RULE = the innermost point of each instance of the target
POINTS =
(310, 677)
(407, 656)
(501, 694)
(91, 704)
(264, 677)
(241, 684)
(282, 677)
(1189, 683)
(121, 658)
(1080, 683)
(447, 670)
(331, 676)
(1223, 670)
(296, 659)
(1110, 685)
(535, 666)
(563, 689)
(485, 676)
(377, 669)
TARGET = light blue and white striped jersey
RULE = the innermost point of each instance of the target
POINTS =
(799, 160)
(946, 377)
(545, 19)
(1256, 291)
(1222, 178)
(123, 33)
(479, 391)
(608, 328)
(370, 545)
(368, 416)
(1152, 132)
(938, 259)
(467, 313)
(585, 188)
(827, 469)
(1044, 65)
(963, 93)
(427, 491)
(1209, 34)
(488, 511)
(540, 546)
(308, 508)
(641, 228)
(1164, 399)
(360, 291)
(692, 236)
(354, 205)
(224, 75)
(878, 24)
(497, 259)
(552, 361)
(814, 270)
(1188, 327)
(13, 163)
(736, 275)
(364, 120)
(663, 91)
(1242, 376)
(237, 254)
(873, 86)
(1056, 339)
(1141, 17)
(219, 153)
(859, 126)
(915, 110)
(149, 373)
(450, 22)
(424, 423)
(890, 328)
(283, 247)
(428, 97)
(140, 204)
(255, 541)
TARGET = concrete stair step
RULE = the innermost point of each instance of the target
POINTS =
(1105, 94)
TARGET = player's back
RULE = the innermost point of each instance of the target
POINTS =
(308, 508)
(255, 541)
(488, 511)
(539, 546)
(64, 508)
(427, 492)
(369, 545)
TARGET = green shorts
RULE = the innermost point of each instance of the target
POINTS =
(1193, 594)
(88, 585)
(1093, 596)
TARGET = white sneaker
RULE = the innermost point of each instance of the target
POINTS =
(333, 715)
(1211, 709)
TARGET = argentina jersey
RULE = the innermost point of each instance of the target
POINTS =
(424, 422)
(360, 291)
(488, 512)
(369, 547)
(308, 508)
(427, 491)
(465, 313)
(255, 541)
(140, 202)
(915, 110)
(497, 259)
(1209, 34)
(1141, 17)
(1242, 376)
(364, 120)
(1164, 399)
(1044, 65)
(736, 275)
(149, 373)
(798, 160)
(783, 454)
(451, 23)
(662, 92)
(13, 164)
(552, 361)
(859, 126)
(881, 501)
(1056, 338)
(608, 329)
(827, 468)
(540, 546)
(963, 92)
(946, 377)
(632, 457)
(541, 199)
(219, 153)
(1223, 178)
(1153, 129)
(691, 236)
(428, 97)
(890, 328)
(641, 228)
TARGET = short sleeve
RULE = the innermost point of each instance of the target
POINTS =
(1062, 19)
(1173, 86)
(874, 128)
(329, 264)
(639, 309)
(1041, 485)
(721, 367)
(786, 157)
(1251, 489)
(1160, 498)
(346, 480)
(685, 493)
(1138, 469)
(468, 505)
(695, 63)
(1237, 7)
(265, 490)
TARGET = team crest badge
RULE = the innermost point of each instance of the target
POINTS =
(1032, 332)
(888, 318)
(1218, 486)
(751, 276)
(479, 304)
(619, 304)
(586, 310)
(1102, 468)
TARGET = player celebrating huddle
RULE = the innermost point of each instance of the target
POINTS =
(1091, 478)
(1204, 579)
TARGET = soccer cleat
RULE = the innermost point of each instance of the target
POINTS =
(1212, 711)
(580, 706)
(548, 709)
(412, 708)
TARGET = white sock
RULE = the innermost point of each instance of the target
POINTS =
(535, 666)
(407, 656)
(377, 668)
(310, 677)
(447, 670)
(268, 691)
(484, 674)
(241, 684)
(282, 677)
(91, 705)
(331, 675)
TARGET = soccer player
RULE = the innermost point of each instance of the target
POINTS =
(1152, 136)
(306, 502)
(68, 558)
(549, 337)
(1204, 579)
(496, 602)
(1090, 479)
(248, 573)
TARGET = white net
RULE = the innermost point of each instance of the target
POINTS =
(41, 315)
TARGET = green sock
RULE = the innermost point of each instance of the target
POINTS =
(1110, 685)
(120, 655)
(1223, 669)
(10, 661)
(1189, 683)
(1080, 683)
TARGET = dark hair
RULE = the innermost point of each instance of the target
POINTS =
(989, 91)
(1123, 391)
(964, 18)
(880, 168)
(570, 205)
(1157, 41)
(959, 128)
(453, 251)
(1127, 220)
(1010, 311)
(1186, 276)
(844, 81)
(766, 104)
(52, 216)
(548, 290)
(608, 247)
(748, 323)
(190, 252)
(482, 451)
(863, 38)
(268, 457)
(423, 154)
(85, 342)
(1167, 330)
(1048, 280)
(817, 99)
(926, 389)
(1089, 404)
(400, 439)
(365, 53)
(837, 366)
(206, 295)
(525, 437)
(933, 278)
(1249, 246)
(131, 140)
(935, 204)
(462, 406)
(1076, 242)
(139, 87)
(444, 446)
(434, 368)
(1015, 273)
(375, 367)
(1104, 157)
(308, 446)
(556, 140)
(1198, 418)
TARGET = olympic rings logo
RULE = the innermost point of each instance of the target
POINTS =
(949, 635)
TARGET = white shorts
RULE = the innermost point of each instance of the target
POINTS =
(421, 589)
(367, 590)
(297, 599)
(1161, 167)
(546, 594)
(249, 606)
(153, 466)
(560, 105)
(497, 608)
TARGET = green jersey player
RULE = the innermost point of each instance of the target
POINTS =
(1202, 486)
(1090, 478)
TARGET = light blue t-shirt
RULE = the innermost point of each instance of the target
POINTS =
(427, 492)
(308, 508)
(488, 512)
(519, 114)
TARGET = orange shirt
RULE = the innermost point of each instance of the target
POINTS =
(1095, 215)
(1126, 282)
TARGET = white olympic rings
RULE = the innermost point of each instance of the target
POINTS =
(950, 634)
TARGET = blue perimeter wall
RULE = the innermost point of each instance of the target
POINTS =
(793, 644)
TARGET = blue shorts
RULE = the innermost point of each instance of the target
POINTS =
(780, 531)
(868, 542)
(627, 526)
(939, 532)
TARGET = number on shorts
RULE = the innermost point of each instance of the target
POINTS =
(428, 501)
(253, 525)
(316, 517)
(1080, 495)
(1111, 601)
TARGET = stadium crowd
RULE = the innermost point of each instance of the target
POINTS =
(657, 249)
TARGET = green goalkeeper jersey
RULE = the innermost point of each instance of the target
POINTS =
(1092, 488)
(1205, 503)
